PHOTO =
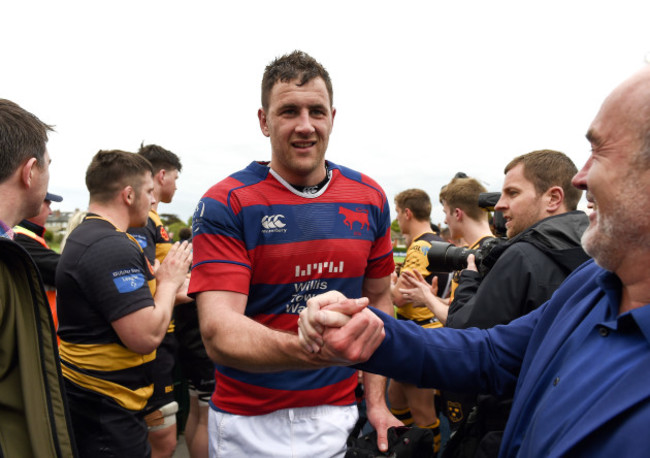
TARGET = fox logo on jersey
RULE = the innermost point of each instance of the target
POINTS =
(352, 216)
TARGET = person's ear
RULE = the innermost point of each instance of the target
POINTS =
(458, 214)
(27, 171)
(554, 197)
(160, 176)
(264, 125)
(128, 195)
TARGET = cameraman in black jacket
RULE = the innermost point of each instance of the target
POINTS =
(544, 230)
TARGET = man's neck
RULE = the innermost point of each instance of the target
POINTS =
(635, 277)
(11, 212)
(418, 228)
(117, 216)
(475, 231)
(312, 179)
(157, 192)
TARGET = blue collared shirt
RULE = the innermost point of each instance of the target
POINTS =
(603, 348)
(581, 372)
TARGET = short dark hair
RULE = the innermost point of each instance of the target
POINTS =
(463, 193)
(417, 201)
(296, 65)
(22, 136)
(160, 158)
(185, 233)
(547, 168)
(112, 170)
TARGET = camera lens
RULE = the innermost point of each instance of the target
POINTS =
(445, 257)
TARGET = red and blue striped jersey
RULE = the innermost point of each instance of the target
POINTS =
(256, 235)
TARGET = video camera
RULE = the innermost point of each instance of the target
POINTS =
(445, 257)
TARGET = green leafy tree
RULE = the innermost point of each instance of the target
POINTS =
(394, 226)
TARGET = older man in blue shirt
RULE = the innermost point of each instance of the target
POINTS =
(579, 366)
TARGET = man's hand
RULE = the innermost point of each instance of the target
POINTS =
(416, 289)
(340, 330)
(174, 268)
(355, 342)
(471, 263)
(329, 309)
(381, 419)
(181, 294)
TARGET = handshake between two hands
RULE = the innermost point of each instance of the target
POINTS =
(339, 330)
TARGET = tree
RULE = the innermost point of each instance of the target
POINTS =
(169, 218)
(394, 227)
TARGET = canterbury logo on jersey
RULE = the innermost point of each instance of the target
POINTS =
(273, 222)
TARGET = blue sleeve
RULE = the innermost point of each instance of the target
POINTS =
(468, 360)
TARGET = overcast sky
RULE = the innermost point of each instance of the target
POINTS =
(423, 89)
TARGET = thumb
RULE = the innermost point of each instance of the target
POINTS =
(382, 439)
(434, 285)
(471, 263)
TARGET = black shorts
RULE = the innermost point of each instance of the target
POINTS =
(104, 429)
(192, 357)
(162, 374)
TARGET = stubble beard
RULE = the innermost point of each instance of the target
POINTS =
(612, 237)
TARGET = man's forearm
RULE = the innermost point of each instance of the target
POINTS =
(375, 390)
(237, 341)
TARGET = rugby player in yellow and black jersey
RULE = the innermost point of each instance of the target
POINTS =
(161, 409)
(469, 222)
(416, 260)
(109, 323)
(466, 221)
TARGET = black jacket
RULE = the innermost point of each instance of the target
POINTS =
(525, 272)
(529, 268)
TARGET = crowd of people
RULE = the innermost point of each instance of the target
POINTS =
(284, 299)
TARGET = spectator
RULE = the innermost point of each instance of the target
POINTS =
(109, 323)
(409, 403)
(465, 219)
(160, 413)
(564, 403)
(544, 231)
(543, 228)
(266, 239)
(30, 234)
(33, 413)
